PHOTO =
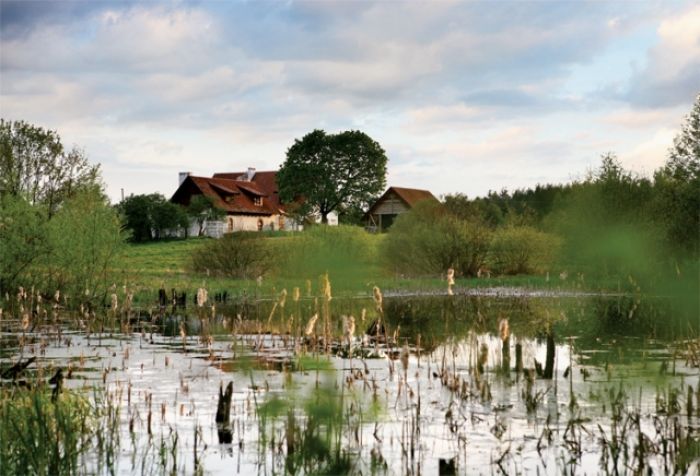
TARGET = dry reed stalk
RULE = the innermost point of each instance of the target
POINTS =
(326, 308)
(283, 298)
(202, 297)
(348, 330)
(310, 326)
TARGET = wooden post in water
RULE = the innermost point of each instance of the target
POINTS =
(549, 360)
(518, 358)
(223, 414)
(505, 354)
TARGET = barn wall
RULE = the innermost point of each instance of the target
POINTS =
(391, 205)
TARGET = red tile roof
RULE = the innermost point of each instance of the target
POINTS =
(233, 195)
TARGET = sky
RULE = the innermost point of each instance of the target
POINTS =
(464, 97)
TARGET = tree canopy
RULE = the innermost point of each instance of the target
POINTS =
(327, 172)
(36, 166)
(148, 217)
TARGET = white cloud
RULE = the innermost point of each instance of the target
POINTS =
(463, 96)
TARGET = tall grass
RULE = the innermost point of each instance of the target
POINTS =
(42, 437)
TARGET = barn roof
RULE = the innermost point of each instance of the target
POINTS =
(410, 196)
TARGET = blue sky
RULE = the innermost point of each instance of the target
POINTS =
(463, 96)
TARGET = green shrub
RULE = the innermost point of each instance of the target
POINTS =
(521, 250)
(235, 255)
(429, 240)
(348, 253)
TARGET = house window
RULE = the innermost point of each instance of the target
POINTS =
(258, 201)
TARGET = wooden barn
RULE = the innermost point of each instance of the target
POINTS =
(395, 201)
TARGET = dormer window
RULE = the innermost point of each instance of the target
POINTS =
(257, 201)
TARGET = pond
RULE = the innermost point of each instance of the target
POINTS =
(494, 382)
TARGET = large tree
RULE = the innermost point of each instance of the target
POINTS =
(36, 166)
(326, 172)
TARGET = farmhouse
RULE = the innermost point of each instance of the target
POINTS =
(396, 200)
(250, 200)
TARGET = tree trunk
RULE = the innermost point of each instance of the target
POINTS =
(324, 218)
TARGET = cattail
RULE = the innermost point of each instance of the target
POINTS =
(326, 287)
(310, 325)
(129, 300)
(296, 294)
(378, 298)
(202, 297)
(348, 328)
(283, 298)
(504, 329)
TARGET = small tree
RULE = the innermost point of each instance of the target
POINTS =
(202, 210)
(85, 241)
(328, 172)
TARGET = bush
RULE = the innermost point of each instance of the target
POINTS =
(429, 240)
(521, 250)
(236, 255)
(348, 253)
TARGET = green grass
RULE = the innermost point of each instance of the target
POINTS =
(350, 257)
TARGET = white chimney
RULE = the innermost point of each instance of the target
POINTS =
(182, 176)
(251, 173)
